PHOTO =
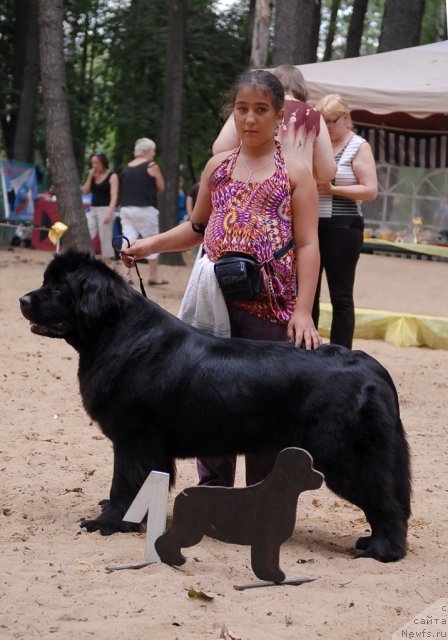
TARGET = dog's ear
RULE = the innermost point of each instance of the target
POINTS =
(100, 298)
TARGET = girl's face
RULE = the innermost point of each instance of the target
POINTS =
(256, 118)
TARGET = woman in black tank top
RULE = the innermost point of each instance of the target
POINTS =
(103, 185)
(141, 181)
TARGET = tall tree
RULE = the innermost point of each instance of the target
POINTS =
(293, 37)
(335, 4)
(172, 118)
(260, 34)
(63, 169)
(315, 29)
(401, 26)
(24, 130)
(356, 28)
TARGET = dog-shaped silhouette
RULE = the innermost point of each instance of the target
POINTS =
(262, 515)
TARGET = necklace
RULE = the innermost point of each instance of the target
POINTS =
(252, 171)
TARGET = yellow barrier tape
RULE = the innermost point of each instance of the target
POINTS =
(424, 249)
(399, 329)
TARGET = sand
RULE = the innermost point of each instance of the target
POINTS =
(56, 465)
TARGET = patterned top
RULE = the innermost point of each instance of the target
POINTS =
(330, 206)
(256, 218)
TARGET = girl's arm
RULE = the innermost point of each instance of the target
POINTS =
(365, 171)
(182, 236)
(324, 165)
(305, 207)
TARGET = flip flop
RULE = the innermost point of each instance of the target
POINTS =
(154, 283)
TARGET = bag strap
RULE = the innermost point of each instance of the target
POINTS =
(279, 253)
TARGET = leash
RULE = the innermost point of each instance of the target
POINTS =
(117, 244)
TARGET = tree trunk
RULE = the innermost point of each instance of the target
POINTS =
(315, 29)
(331, 29)
(401, 26)
(172, 117)
(442, 17)
(356, 28)
(293, 38)
(24, 132)
(63, 169)
(260, 35)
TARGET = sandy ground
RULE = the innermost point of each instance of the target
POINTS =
(56, 465)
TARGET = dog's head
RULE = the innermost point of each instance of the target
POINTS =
(79, 293)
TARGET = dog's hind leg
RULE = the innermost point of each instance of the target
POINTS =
(375, 494)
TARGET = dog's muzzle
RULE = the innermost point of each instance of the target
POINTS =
(56, 330)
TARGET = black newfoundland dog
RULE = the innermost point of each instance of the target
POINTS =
(161, 390)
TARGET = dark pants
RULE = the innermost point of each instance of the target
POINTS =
(340, 248)
(220, 471)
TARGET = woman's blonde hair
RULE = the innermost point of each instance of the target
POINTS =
(334, 105)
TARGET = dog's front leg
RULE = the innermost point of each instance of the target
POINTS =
(131, 468)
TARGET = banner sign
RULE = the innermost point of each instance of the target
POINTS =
(19, 184)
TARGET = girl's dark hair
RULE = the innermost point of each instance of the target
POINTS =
(101, 157)
(262, 81)
(292, 80)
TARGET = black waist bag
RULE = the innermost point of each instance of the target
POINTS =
(239, 276)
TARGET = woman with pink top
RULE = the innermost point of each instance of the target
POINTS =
(254, 201)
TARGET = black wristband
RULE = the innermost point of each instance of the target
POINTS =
(198, 227)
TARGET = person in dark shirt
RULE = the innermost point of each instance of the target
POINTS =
(141, 181)
(103, 185)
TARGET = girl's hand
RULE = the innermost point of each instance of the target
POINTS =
(301, 329)
(91, 173)
(138, 249)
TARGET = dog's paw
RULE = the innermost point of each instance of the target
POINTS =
(362, 543)
(108, 526)
(379, 549)
(104, 504)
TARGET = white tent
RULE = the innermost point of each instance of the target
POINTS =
(399, 100)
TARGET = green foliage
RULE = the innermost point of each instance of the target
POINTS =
(115, 52)
(370, 36)
(216, 54)
(429, 25)
(9, 99)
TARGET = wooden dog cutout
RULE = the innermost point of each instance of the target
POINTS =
(262, 515)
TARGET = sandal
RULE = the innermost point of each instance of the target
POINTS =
(154, 283)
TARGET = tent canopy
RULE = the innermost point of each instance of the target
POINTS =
(399, 100)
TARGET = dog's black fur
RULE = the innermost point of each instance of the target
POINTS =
(161, 390)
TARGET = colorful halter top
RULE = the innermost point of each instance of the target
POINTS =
(256, 218)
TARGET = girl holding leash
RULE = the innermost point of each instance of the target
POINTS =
(254, 202)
